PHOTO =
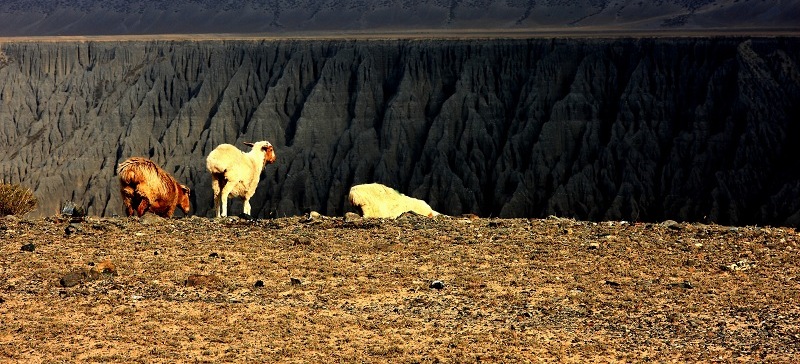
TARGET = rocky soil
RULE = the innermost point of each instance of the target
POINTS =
(415, 289)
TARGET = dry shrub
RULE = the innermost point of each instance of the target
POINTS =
(16, 200)
(4, 59)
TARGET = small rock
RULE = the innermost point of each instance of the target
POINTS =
(594, 245)
(312, 216)
(740, 265)
(684, 284)
(71, 229)
(213, 255)
(2, 300)
(103, 269)
(611, 283)
(295, 281)
(437, 285)
(28, 247)
(246, 217)
(668, 223)
(671, 224)
(259, 284)
(351, 216)
(408, 215)
(151, 219)
(302, 241)
(73, 278)
(202, 280)
(495, 224)
(72, 210)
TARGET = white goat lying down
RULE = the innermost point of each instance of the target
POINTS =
(377, 200)
(236, 173)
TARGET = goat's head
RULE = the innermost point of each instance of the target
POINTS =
(266, 148)
(183, 199)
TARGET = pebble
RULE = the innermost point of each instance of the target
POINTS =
(259, 284)
(295, 281)
(302, 241)
(672, 224)
(28, 247)
(74, 211)
(151, 219)
(312, 216)
(202, 280)
(437, 285)
(71, 229)
(351, 216)
(103, 269)
(739, 266)
(684, 284)
(73, 279)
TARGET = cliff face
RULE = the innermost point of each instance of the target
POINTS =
(636, 129)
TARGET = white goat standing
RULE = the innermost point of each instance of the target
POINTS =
(234, 172)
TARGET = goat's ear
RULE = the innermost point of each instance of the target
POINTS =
(248, 144)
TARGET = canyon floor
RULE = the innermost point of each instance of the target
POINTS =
(410, 290)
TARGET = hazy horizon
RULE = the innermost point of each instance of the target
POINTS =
(30, 18)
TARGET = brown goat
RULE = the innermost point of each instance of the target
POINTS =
(147, 187)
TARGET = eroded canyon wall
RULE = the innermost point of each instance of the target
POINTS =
(694, 129)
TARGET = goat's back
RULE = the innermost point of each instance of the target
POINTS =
(377, 200)
(223, 157)
(136, 170)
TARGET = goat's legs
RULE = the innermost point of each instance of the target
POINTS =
(216, 178)
(226, 191)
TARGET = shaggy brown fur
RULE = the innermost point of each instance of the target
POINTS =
(147, 187)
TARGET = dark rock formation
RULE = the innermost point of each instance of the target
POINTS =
(638, 129)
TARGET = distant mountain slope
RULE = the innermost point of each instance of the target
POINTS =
(115, 17)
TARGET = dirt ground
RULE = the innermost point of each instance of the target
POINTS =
(415, 289)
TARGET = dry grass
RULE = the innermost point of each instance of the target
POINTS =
(331, 290)
(15, 199)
